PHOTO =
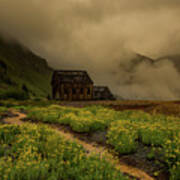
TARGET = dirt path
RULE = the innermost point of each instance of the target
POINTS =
(16, 119)
(90, 148)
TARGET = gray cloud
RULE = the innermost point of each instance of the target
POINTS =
(97, 35)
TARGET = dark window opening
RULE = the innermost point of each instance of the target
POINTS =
(82, 91)
(74, 91)
(88, 91)
(65, 91)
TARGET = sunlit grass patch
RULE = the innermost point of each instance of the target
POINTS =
(122, 136)
(171, 154)
(80, 120)
(35, 152)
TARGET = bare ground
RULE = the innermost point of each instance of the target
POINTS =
(170, 108)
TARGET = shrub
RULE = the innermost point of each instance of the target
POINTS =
(122, 136)
(13, 93)
(171, 153)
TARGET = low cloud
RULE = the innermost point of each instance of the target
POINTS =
(155, 81)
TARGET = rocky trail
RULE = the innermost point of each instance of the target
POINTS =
(136, 169)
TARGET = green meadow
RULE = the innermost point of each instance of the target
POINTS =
(36, 150)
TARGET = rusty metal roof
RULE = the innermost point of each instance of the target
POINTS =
(73, 76)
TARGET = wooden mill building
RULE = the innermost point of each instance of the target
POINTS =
(72, 85)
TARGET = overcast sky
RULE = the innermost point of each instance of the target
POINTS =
(98, 34)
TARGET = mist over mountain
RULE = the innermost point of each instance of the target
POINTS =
(174, 58)
(132, 76)
(142, 77)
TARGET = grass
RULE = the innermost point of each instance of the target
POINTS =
(32, 152)
(24, 104)
(159, 132)
(80, 120)
(14, 93)
(126, 130)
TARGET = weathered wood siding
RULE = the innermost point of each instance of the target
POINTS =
(75, 92)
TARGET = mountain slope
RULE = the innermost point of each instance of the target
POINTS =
(20, 69)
